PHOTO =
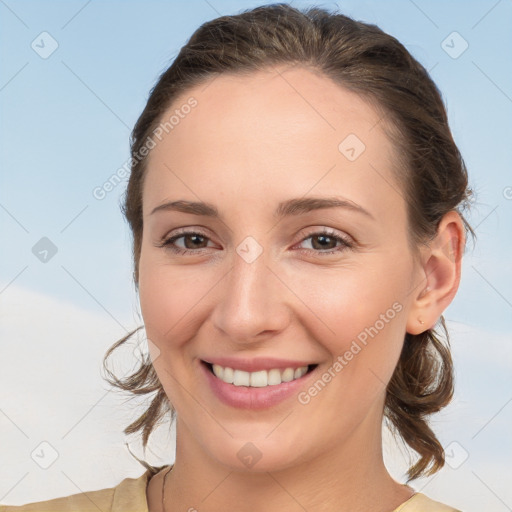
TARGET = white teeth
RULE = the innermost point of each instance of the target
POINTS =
(241, 378)
(274, 377)
(299, 373)
(228, 375)
(218, 371)
(258, 379)
(287, 375)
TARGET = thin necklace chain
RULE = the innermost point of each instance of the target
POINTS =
(170, 469)
(163, 488)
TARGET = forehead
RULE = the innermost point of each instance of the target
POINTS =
(284, 102)
(276, 133)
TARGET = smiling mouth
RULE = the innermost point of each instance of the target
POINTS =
(258, 379)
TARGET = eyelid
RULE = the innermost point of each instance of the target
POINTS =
(186, 231)
(164, 241)
(319, 229)
(347, 242)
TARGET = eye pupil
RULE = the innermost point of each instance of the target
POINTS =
(324, 238)
(195, 237)
(193, 242)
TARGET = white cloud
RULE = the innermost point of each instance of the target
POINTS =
(50, 370)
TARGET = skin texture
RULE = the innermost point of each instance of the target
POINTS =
(251, 142)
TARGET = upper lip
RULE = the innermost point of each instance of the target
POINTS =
(256, 364)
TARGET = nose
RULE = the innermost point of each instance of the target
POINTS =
(252, 302)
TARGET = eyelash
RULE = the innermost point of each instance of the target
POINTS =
(345, 243)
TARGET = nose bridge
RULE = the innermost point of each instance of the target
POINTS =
(250, 302)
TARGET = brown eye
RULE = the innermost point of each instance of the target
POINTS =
(326, 242)
(323, 242)
(192, 241)
(196, 240)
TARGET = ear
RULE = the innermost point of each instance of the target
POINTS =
(439, 274)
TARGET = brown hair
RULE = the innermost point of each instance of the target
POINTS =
(430, 169)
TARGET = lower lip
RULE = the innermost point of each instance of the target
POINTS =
(245, 397)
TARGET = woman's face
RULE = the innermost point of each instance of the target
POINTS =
(259, 286)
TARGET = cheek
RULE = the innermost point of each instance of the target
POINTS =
(167, 299)
(157, 294)
(346, 302)
(359, 314)
(164, 302)
(368, 325)
(172, 298)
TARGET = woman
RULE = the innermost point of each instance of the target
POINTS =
(295, 203)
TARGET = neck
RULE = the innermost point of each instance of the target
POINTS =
(350, 476)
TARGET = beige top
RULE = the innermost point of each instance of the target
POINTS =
(130, 496)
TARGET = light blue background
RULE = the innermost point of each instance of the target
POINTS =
(65, 125)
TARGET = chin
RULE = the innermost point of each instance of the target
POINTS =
(259, 455)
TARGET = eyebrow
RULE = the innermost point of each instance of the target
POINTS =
(284, 209)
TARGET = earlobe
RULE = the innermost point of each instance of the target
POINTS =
(441, 272)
